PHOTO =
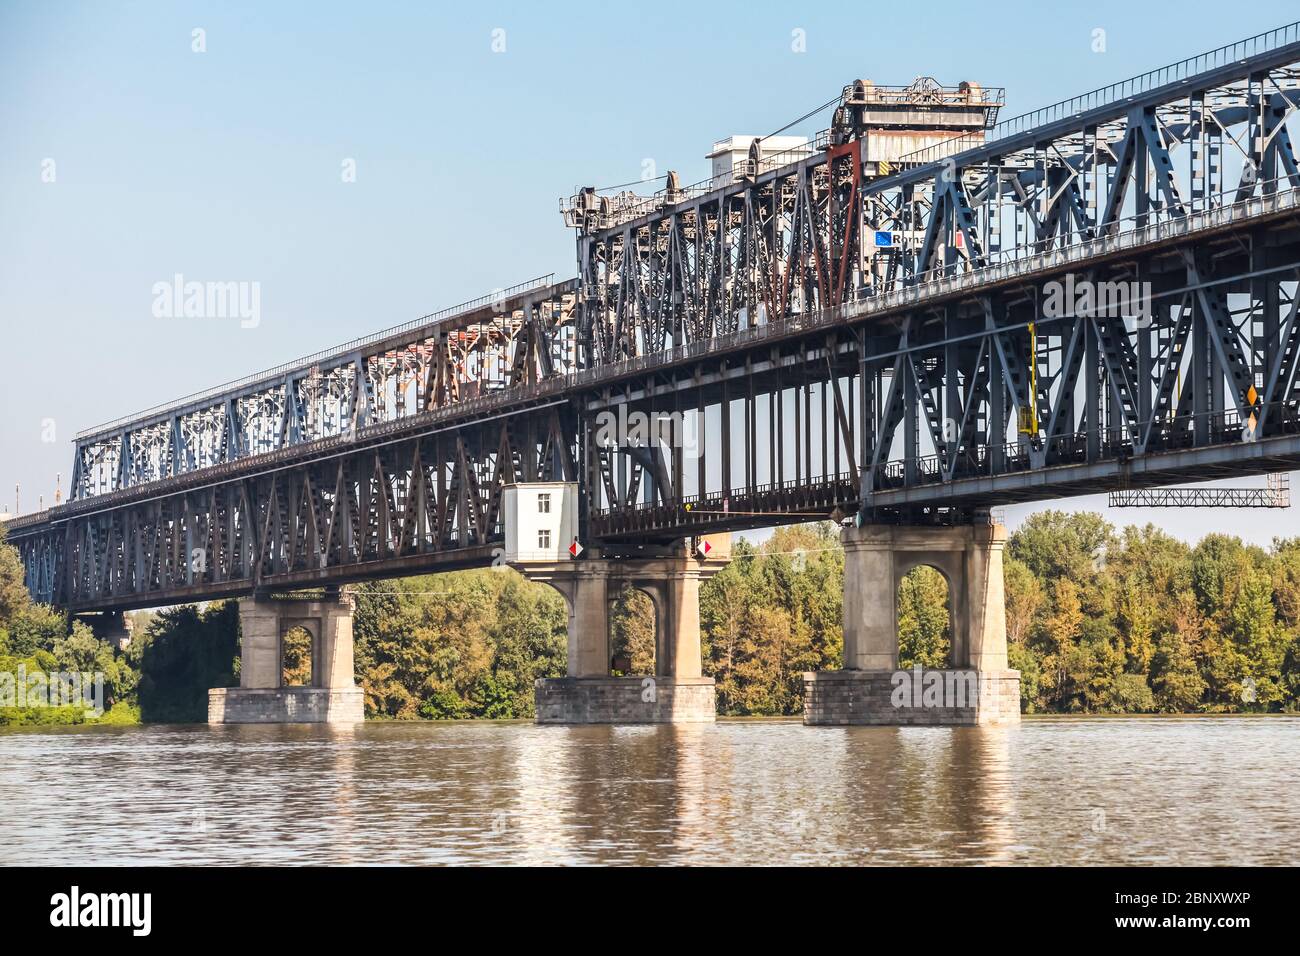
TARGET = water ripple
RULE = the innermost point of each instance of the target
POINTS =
(1054, 791)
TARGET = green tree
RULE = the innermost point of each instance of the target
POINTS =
(1176, 676)
(1025, 598)
(183, 652)
(1055, 545)
(773, 613)
(296, 660)
(923, 619)
(632, 628)
(14, 600)
(465, 644)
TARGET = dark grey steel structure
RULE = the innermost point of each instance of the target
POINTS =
(1276, 494)
(1098, 295)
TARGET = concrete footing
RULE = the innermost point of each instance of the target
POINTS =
(930, 696)
(286, 705)
(625, 700)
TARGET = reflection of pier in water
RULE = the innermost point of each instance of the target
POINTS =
(695, 794)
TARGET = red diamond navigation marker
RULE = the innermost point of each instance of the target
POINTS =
(575, 549)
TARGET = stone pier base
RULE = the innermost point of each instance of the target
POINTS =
(262, 697)
(625, 700)
(933, 696)
(286, 705)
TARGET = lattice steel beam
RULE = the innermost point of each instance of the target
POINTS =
(1277, 494)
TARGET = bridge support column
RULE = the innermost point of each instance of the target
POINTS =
(111, 626)
(677, 692)
(589, 597)
(978, 688)
(262, 697)
(677, 614)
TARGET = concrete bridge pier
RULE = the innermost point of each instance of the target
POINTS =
(677, 692)
(978, 687)
(332, 696)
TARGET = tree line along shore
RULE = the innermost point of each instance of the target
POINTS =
(1100, 620)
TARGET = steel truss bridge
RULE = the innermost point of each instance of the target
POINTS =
(1099, 295)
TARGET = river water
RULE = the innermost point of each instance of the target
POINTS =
(1051, 791)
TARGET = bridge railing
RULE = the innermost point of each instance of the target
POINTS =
(1124, 90)
(1179, 434)
(722, 501)
(1239, 51)
(1153, 226)
(318, 358)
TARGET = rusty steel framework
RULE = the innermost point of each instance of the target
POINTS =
(513, 337)
(385, 454)
(413, 500)
(954, 347)
(1100, 295)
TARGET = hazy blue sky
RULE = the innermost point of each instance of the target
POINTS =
(226, 165)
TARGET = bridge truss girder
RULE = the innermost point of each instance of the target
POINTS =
(427, 502)
(890, 414)
(514, 339)
(826, 374)
(793, 241)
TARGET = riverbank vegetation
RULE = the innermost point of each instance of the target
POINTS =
(36, 640)
(1099, 620)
